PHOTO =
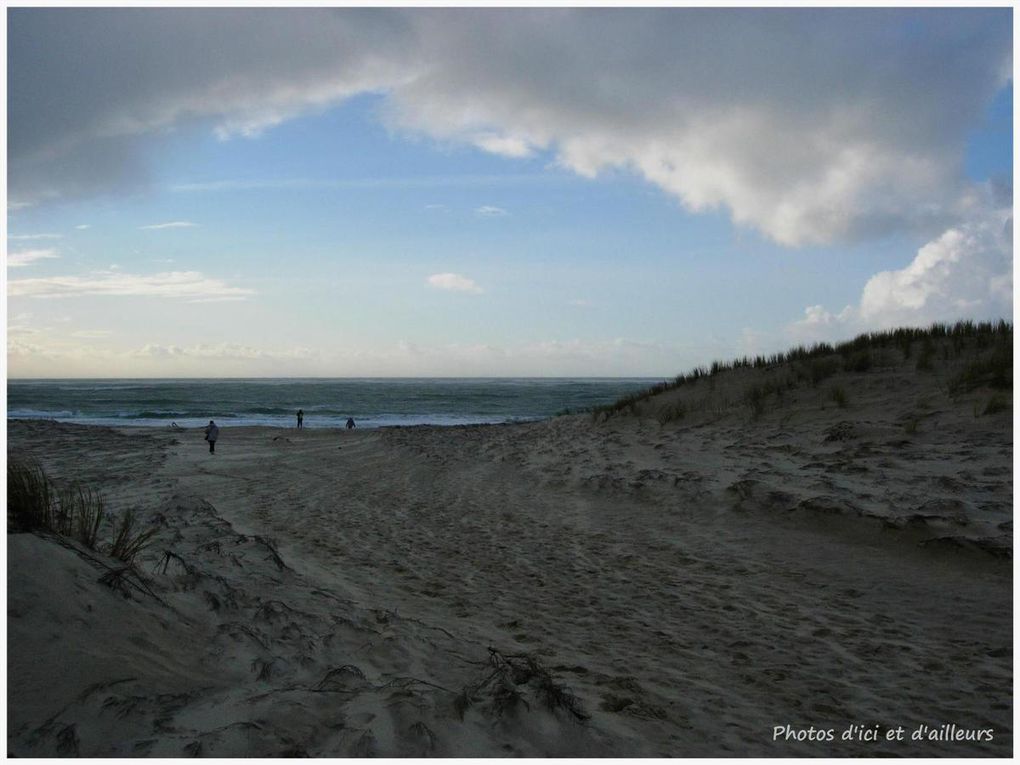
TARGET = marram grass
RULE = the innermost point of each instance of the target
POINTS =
(78, 512)
(823, 360)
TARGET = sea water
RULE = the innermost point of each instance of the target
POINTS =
(327, 403)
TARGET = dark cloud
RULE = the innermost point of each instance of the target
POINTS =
(809, 124)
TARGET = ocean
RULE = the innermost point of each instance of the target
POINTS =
(327, 403)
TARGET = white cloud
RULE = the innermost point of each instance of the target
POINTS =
(965, 273)
(489, 211)
(173, 224)
(809, 124)
(454, 282)
(27, 257)
(178, 285)
(84, 226)
(40, 355)
(44, 355)
(91, 334)
(25, 237)
(507, 146)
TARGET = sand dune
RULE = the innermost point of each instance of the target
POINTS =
(629, 587)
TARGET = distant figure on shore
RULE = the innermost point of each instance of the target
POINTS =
(212, 432)
(350, 423)
(300, 418)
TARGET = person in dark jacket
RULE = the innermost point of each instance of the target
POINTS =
(212, 432)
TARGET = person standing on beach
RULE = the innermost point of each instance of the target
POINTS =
(212, 432)
(350, 423)
(300, 418)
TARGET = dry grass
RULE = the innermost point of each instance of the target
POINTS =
(31, 499)
(512, 680)
(128, 541)
(838, 394)
(77, 512)
(815, 364)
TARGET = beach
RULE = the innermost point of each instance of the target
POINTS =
(720, 585)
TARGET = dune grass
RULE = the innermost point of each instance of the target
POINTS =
(35, 504)
(128, 541)
(823, 360)
(31, 499)
(838, 394)
(80, 512)
(994, 371)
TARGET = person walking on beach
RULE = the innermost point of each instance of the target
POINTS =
(212, 432)
(350, 423)
(300, 418)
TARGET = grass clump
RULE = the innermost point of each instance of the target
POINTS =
(79, 515)
(34, 504)
(993, 371)
(859, 362)
(128, 540)
(839, 396)
(822, 369)
(31, 499)
(670, 413)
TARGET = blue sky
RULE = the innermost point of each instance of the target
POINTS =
(425, 221)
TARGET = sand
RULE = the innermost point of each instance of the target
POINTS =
(681, 587)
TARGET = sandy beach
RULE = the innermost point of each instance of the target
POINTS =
(638, 586)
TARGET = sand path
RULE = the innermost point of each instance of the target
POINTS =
(688, 627)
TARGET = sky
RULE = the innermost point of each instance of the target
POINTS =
(464, 192)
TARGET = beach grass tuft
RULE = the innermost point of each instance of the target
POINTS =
(81, 512)
(31, 498)
(838, 395)
(128, 540)
(994, 371)
(34, 504)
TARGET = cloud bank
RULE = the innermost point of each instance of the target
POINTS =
(28, 257)
(810, 125)
(964, 273)
(180, 285)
